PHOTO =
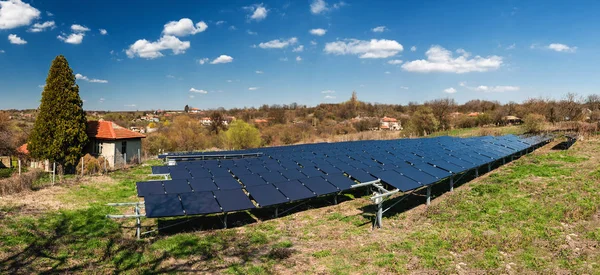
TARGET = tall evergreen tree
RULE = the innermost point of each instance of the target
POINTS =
(59, 130)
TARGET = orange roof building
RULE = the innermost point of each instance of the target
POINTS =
(108, 130)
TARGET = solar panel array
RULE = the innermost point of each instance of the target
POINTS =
(293, 173)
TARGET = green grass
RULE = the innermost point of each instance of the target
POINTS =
(478, 131)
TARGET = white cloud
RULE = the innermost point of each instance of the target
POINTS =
(260, 72)
(298, 58)
(79, 28)
(184, 27)
(192, 96)
(2, 51)
(562, 48)
(278, 43)
(232, 28)
(37, 27)
(92, 80)
(222, 59)
(533, 46)
(328, 92)
(490, 89)
(284, 59)
(74, 38)
(258, 12)
(15, 13)
(320, 6)
(450, 90)
(511, 47)
(229, 81)
(319, 32)
(298, 49)
(150, 50)
(203, 60)
(14, 39)
(220, 22)
(49, 13)
(170, 76)
(379, 29)
(365, 49)
(387, 72)
(314, 43)
(329, 97)
(251, 32)
(130, 105)
(253, 88)
(413, 48)
(395, 62)
(404, 88)
(441, 60)
(194, 90)
(101, 100)
(103, 31)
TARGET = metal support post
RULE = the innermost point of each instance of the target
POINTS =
(489, 167)
(451, 183)
(428, 195)
(276, 211)
(225, 220)
(378, 218)
(335, 199)
(19, 161)
(138, 223)
(53, 173)
(82, 166)
(503, 161)
(476, 172)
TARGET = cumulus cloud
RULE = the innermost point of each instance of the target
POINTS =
(450, 90)
(15, 13)
(404, 88)
(253, 88)
(329, 97)
(379, 29)
(413, 48)
(257, 12)
(490, 89)
(441, 60)
(251, 32)
(91, 80)
(314, 43)
(278, 43)
(103, 31)
(328, 92)
(74, 38)
(2, 51)
(220, 22)
(79, 28)
(14, 39)
(199, 91)
(151, 50)
(260, 72)
(320, 6)
(202, 61)
(365, 49)
(184, 27)
(511, 46)
(562, 48)
(130, 105)
(319, 32)
(395, 62)
(222, 59)
(298, 49)
(298, 58)
(37, 27)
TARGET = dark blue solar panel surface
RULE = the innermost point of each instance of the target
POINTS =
(145, 188)
(233, 200)
(300, 171)
(202, 184)
(163, 206)
(199, 203)
(266, 195)
(294, 190)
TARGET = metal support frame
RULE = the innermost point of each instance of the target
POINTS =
(211, 157)
(160, 175)
(428, 195)
(451, 183)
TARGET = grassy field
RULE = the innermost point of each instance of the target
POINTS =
(538, 214)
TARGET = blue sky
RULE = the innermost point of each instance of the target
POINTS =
(142, 55)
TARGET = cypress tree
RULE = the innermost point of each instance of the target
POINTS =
(59, 130)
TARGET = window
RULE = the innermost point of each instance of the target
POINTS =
(124, 147)
(97, 150)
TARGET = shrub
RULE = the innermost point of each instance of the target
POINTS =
(423, 122)
(534, 123)
(91, 165)
(16, 184)
(242, 135)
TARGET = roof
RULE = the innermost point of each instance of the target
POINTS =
(23, 149)
(474, 114)
(388, 119)
(109, 130)
(511, 118)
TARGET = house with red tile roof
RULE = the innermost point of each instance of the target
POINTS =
(389, 123)
(113, 142)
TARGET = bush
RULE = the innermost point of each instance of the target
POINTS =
(423, 122)
(91, 165)
(534, 123)
(16, 184)
(242, 135)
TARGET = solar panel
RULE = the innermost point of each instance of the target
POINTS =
(177, 186)
(292, 174)
(266, 195)
(233, 200)
(436, 172)
(360, 175)
(202, 184)
(238, 171)
(319, 185)
(418, 176)
(160, 169)
(395, 179)
(272, 177)
(220, 172)
(258, 169)
(180, 174)
(311, 172)
(227, 182)
(340, 181)
(294, 190)
(251, 180)
(200, 173)
(146, 188)
(199, 203)
(163, 206)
